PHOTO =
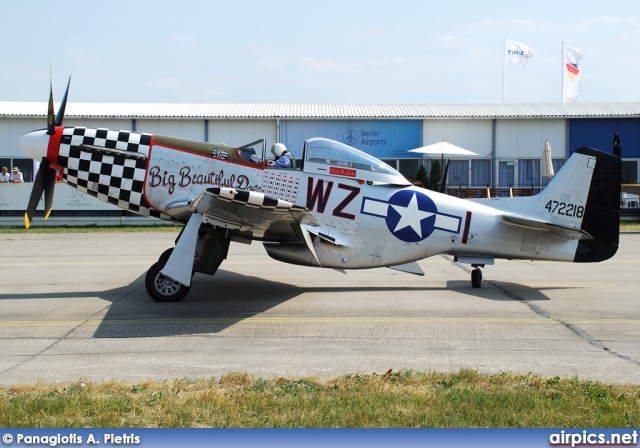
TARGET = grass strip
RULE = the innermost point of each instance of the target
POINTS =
(405, 399)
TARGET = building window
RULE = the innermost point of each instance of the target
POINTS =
(629, 172)
(529, 173)
(458, 174)
(25, 166)
(506, 173)
(481, 173)
(409, 167)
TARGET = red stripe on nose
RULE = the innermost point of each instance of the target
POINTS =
(54, 147)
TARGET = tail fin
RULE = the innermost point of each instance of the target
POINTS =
(586, 195)
(602, 212)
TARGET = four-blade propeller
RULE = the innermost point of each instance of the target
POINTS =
(46, 177)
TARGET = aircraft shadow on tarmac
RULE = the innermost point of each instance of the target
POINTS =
(216, 303)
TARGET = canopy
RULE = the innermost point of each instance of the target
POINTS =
(444, 149)
(547, 166)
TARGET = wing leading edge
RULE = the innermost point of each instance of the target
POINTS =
(250, 214)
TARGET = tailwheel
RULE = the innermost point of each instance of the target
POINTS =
(476, 278)
(162, 288)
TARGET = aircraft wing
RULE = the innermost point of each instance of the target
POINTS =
(252, 215)
(528, 222)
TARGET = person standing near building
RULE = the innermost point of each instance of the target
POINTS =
(16, 176)
(5, 176)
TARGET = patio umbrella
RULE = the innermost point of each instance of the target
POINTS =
(547, 166)
(443, 148)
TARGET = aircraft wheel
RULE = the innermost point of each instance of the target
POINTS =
(476, 278)
(162, 288)
(164, 256)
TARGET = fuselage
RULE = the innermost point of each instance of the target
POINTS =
(369, 216)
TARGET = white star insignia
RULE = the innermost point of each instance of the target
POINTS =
(411, 216)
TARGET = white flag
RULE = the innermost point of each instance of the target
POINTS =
(571, 74)
(516, 53)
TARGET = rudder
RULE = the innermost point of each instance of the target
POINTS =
(602, 211)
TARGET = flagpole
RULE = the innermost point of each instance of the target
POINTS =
(504, 61)
(562, 73)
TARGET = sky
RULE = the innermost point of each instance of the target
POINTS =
(315, 52)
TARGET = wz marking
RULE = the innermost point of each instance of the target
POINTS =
(565, 209)
(317, 194)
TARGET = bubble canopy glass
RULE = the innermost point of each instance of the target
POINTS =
(323, 151)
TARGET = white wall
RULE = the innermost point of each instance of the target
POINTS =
(187, 129)
(11, 129)
(522, 139)
(240, 132)
(474, 135)
(114, 124)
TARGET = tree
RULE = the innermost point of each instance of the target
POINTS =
(422, 176)
(434, 176)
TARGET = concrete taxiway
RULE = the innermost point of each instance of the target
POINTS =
(74, 307)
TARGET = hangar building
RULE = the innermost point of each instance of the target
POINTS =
(508, 138)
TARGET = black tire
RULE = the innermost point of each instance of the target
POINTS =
(476, 278)
(162, 288)
(164, 256)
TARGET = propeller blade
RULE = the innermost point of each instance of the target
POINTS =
(51, 118)
(36, 192)
(63, 105)
(49, 183)
(443, 185)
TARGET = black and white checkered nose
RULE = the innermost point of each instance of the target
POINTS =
(35, 144)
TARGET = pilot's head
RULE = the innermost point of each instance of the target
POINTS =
(278, 149)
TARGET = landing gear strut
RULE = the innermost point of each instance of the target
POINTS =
(162, 288)
(211, 248)
(476, 277)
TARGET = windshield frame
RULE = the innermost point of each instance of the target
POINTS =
(340, 156)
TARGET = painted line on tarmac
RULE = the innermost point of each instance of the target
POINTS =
(328, 320)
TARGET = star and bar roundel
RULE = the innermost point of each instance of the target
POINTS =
(411, 216)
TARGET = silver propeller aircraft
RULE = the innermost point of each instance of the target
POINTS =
(340, 208)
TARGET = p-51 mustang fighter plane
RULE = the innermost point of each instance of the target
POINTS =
(340, 208)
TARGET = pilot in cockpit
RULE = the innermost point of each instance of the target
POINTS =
(283, 158)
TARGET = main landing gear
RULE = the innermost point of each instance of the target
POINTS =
(476, 276)
(162, 288)
(211, 248)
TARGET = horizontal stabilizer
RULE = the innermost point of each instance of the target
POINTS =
(526, 222)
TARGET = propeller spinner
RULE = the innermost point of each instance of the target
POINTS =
(40, 145)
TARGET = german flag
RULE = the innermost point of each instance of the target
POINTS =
(572, 71)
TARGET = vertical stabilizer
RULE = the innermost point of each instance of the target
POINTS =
(602, 211)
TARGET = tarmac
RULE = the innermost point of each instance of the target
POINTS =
(74, 308)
